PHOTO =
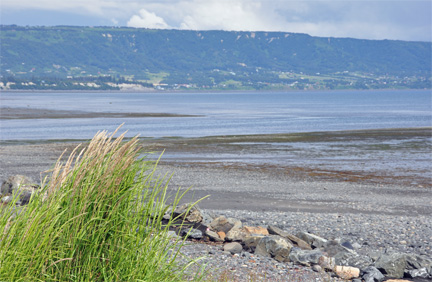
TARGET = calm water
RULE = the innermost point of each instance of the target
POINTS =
(223, 113)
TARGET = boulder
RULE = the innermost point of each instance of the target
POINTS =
(19, 184)
(189, 212)
(191, 233)
(347, 272)
(417, 262)
(391, 265)
(235, 222)
(304, 257)
(213, 236)
(237, 234)
(250, 242)
(372, 274)
(274, 246)
(257, 230)
(422, 273)
(233, 248)
(221, 224)
(313, 240)
(294, 239)
(222, 235)
(327, 263)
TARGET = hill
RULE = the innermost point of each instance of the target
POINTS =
(175, 58)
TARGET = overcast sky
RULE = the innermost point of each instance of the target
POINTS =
(379, 19)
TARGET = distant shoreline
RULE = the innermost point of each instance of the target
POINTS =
(215, 91)
(31, 113)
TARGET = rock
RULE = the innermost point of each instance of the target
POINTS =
(19, 184)
(347, 245)
(275, 247)
(189, 212)
(191, 233)
(345, 256)
(332, 248)
(172, 234)
(213, 236)
(313, 240)
(372, 274)
(237, 234)
(347, 272)
(391, 265)
(250, 242)
(222, 235)
(422, 273)
(233, 248)
(304, 257)
(417, 262)
(317, 268)
(221, 224)
(356, 246)
(235, 223)
(294, 239)
(328, 263)
(6, 199)
(257, 230)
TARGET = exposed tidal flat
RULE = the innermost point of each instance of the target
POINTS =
(370, 187)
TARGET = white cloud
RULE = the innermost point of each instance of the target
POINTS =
(148, 20)
(372, 19)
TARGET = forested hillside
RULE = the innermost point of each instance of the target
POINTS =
(209, 58)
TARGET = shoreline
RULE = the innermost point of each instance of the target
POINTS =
(378, 216)
(31, 113)
(215, 91)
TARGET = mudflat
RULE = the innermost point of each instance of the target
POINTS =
(315, 188)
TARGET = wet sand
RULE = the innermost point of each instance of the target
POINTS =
(230, 170)
(30, 113)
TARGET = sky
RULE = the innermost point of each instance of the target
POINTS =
(408, 20)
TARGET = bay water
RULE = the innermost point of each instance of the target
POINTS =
(224, 113)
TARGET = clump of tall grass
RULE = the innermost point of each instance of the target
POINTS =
(98, 218)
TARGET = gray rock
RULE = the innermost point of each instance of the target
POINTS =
(213, 236)
(274, 246)
(372, 274)
(347, 244)
(417, 262)
(305, 257)
(233, 248)
(19, 184)
(191, 233)
(422, 273)
(313, 240)
(391, 265)
(294, 239)
(6, 199)
(333, 248)
(237, 234)
(235, 222)
(189, 212)
(172, 234)
(356, 246)
(221, 224)
(250, 242)
(328, 263)
(317, 268)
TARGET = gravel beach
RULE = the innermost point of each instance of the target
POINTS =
(376, 216)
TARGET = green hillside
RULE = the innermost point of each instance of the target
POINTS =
(208, 58)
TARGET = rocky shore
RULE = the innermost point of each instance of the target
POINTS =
(372, 219)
